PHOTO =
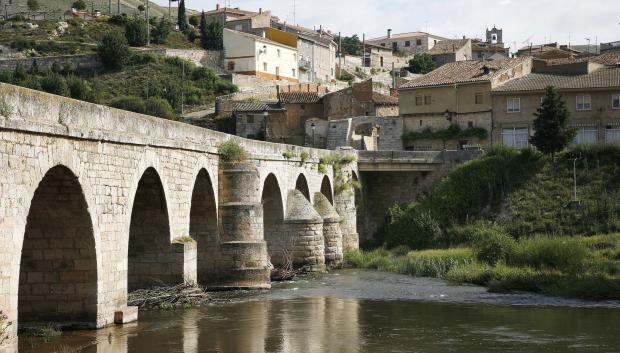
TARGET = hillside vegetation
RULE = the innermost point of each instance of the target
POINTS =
(506, 221)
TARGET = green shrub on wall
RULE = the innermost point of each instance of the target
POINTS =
(231, 151)
(453, 132)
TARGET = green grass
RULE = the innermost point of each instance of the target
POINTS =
(584, 267)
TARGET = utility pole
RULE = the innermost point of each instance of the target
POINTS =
(363, 49)
(118, 7)
(183, 90)
(109, 7)
(340, 52)
(170, 11)
(294, 12)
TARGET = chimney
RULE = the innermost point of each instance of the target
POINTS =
(260, 10)
(389, 34)
(217, 6)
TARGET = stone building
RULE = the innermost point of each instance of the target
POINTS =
(358, 100)
(379, 57)
(261, 121)
(591, 91)
(225, 14)
(411, 42)
(456, 93)
(451, 50)
(300, 107)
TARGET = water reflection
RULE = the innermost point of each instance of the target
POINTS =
(324, 316)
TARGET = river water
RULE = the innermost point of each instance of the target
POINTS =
(361, 311)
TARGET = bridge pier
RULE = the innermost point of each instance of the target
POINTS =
(305, 228)
(332, 233)
(243, 259)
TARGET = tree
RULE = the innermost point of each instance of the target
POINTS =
(79, 5)
(135, 32)
(551, 131)
(195, 20)
(114, 50)
(33, 5)
(161, 30)
(422, 64)
(141, 8)
(182, 17)
(211, 35)
(351, 45)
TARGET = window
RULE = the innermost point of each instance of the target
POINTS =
(615, 101)
(542, 100)
(586, 135)
(250, 119)
(407, 43)
(584, 102)
(513, 105)
(295, 57)
(395, 46)
(420, 122)
(419, 42)
(383, 44)
(427, 100)
(231, 66)
(265, 67)
(238, 28)
(479, 98)
(278, 52)
(470, 124)
(294, 73)
(515, 137)
(418, 100)
(612, 134)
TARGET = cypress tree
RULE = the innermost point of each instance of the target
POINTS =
(204, 35)
(182, 17)
(551, 131)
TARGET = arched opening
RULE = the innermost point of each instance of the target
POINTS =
(302, 185)
(58, 270)
(326, 189)
(152, 260)
(273, 221)
(203, 225)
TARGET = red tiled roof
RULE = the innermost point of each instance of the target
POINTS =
(603, 78)
(448, 46)
(382, 99)
(299, 97)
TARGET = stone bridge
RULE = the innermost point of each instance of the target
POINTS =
(96, 202)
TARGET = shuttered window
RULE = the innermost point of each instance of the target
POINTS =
(515, 137)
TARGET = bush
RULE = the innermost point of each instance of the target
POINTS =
(418, 230)
(56, 84)
(135, 32)
(159, 107)
(562, 253)
(492, 246)
(120, 20)
(161, 30)
(21, 44)
(114, 50)
(81, 89)
(231, 151)
(130, 103)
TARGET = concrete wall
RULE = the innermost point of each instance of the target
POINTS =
(107, 152)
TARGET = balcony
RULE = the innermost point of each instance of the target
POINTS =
(305, 64)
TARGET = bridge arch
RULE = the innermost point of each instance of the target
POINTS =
(151, 257)
(203, 226)
(327, 190)
(58, 278)
(273, 219)
(301, 184)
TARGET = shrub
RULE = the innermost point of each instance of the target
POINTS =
(120, 20)
(400, 250)
(135, 32)
(130, 103)
(81, 89)
(159, 107)
(418, 230)
(79, 5)
(56, 84)
(560, 253)
(114, 50)
(231, 151)
(21, 44)
(492, 246)
(161, 30)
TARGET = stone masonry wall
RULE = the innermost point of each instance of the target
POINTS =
(108, 152)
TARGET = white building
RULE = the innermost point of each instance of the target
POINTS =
(411, 42)
(260, 56)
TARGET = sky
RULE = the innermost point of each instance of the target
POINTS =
(523, 21)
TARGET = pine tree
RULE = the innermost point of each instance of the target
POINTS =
(182, 17)
(551, 131)
(204, 35)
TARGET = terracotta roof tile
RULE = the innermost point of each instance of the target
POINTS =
(382, 99)
(464, 72)
(299, 97)
(603, 78)
(448, 46)
(256, 106)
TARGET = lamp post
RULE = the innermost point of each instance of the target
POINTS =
(313, 126)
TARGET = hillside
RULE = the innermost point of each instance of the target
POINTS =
(523, 191)
(129, 7)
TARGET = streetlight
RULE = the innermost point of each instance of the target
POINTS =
(313, 126)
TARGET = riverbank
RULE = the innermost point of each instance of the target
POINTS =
(584, 267)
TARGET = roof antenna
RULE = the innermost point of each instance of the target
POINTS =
(294, 12)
